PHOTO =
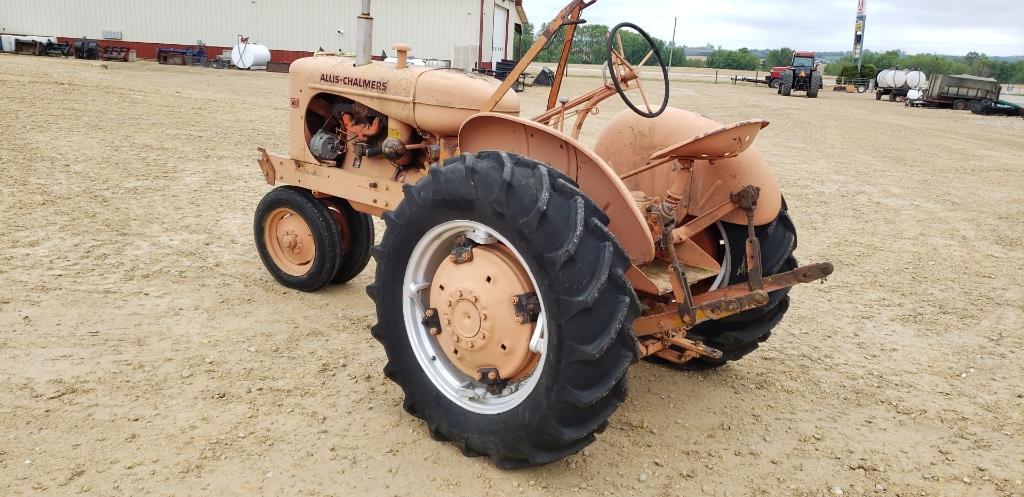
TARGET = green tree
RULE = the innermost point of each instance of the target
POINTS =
(740, 59)
(778, 57)
(524, 40)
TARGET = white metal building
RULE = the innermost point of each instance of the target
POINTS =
(463, 31)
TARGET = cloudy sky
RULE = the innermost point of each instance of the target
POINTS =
(995, 27)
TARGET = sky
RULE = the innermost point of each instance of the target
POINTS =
(993, 27)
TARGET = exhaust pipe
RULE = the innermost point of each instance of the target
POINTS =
(364, 35)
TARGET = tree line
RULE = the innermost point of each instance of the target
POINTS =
(590, 47)
(974, 63)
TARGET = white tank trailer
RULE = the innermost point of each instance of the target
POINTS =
(896, 82)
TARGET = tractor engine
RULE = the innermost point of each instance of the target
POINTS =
(382, 119)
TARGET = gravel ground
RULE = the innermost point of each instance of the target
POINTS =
(144, 350)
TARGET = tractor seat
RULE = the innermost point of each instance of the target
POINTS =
(727, 141)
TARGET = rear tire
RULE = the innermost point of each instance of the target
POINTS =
(739, 335)
(774, 83)
(786, 86)
(878, 95)
(960, 105)
(579, 273)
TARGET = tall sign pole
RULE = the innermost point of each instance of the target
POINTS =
(858, 34)
(672, 47)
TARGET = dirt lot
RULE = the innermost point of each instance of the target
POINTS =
(144, 350)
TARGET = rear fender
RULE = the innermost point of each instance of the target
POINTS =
(493, 131)
(629, 140)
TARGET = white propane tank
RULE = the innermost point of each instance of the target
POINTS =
(7, 43)
(887, 79)
(916, 79)
(250, 56)
(899, 79)
(914, 94)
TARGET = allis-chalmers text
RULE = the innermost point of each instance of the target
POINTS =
(368, 84)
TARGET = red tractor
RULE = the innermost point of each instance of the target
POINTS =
(801, 75)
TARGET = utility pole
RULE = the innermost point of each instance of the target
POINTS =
(672, 46)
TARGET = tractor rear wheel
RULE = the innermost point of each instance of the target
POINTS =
(786, 85)
(297, 238)
(812, 91)
(739, 335)
(504, 310)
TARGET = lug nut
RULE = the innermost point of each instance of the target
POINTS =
(455, 338)
(492, 376)
(435, 331)
(519, 320)
(429, 313)
(515, 300)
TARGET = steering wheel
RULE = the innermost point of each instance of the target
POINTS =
(622, 72)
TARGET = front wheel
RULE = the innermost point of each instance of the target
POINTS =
(297, 238)
(503, 308)
(812, 91)
(786, 86)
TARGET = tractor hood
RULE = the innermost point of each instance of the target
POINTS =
(435, 100)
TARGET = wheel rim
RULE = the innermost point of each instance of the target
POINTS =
(289, 241)
(429, 254)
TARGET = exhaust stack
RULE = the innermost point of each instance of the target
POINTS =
(364, 35)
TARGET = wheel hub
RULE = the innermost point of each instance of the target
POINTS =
(466, 318)
(289, 241)
(474, 299)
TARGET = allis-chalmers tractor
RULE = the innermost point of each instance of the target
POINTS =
(522, 272)
(801, 75)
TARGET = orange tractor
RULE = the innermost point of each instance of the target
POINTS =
(522, 272)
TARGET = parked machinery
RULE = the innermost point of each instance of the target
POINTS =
(803, 74)
(897, 82)
(87, 49)
(521, 272)
(961, 91)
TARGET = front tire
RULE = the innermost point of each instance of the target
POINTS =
(786, 86)
(577, 269)
(297, 238)
(357, 236)
(812, 91)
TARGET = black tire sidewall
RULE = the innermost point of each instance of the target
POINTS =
(326, 237)
(356, 255)
(527, 433)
